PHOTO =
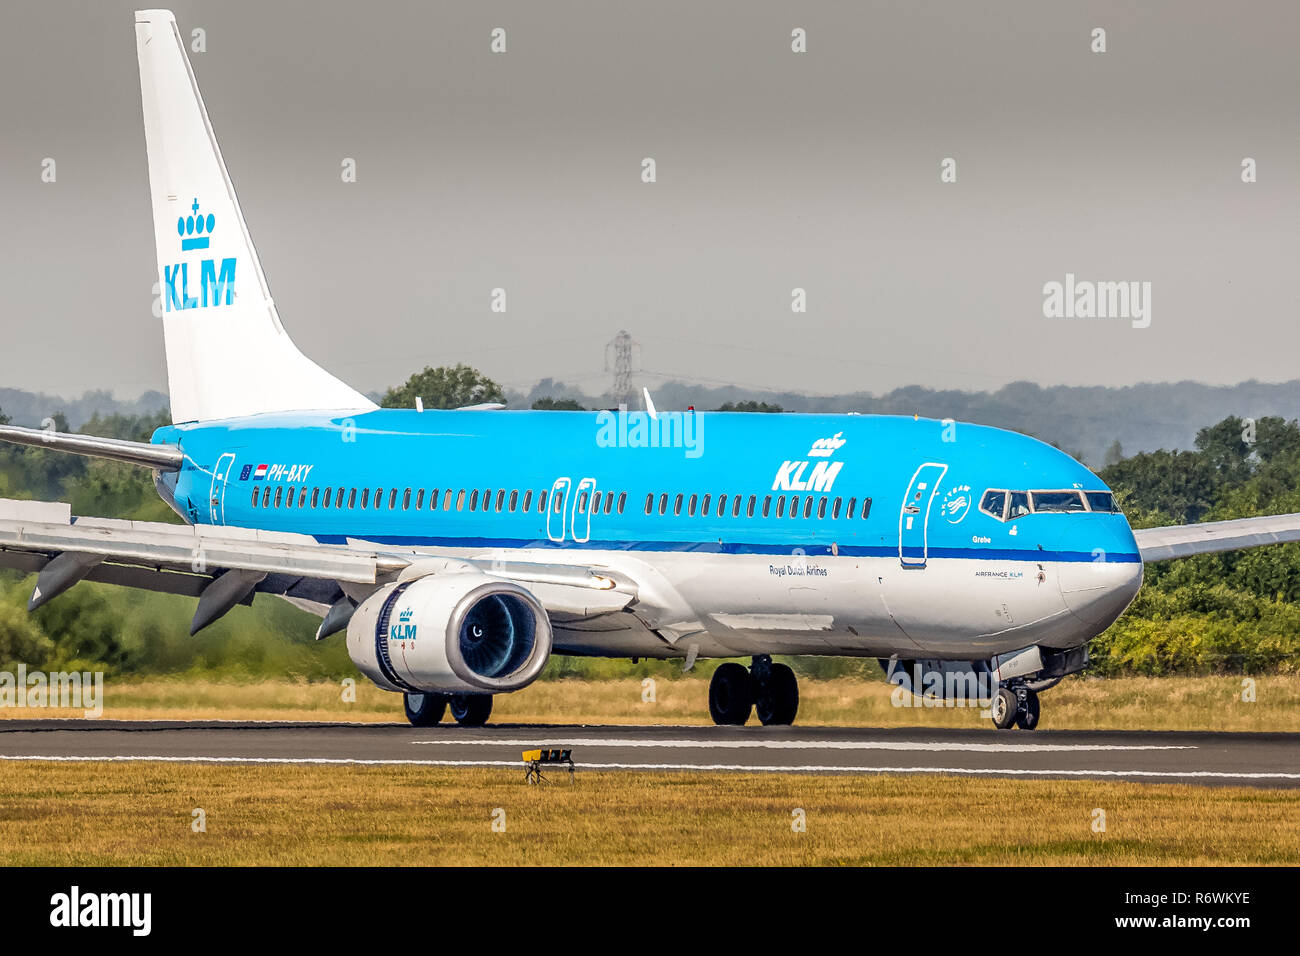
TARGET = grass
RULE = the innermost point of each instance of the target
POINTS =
(1129, 703)
(142, 814)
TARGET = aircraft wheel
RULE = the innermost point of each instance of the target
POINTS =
(424, 710)
(1027, 717)
(730, 695)
(471, 710)
(777, 699)
(1004, 708)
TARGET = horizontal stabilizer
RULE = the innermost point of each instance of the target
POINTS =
(161, 457)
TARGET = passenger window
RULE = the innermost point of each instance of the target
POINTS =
(749, 511)
(446, 500)
(433, 499)
(780, 506)
(609, 502)
(690, 507)
(794, 506)
(821, 508)
(279, 497)
(329, 493)
(352, 498)
(557, 502)
(807, 506)
(338, 501)
(302, 497)
(663, 504)
(582, 503)
(460, 500)
(994, 503)
(501, 500)
(1018, 504)
(473, 499)
(541, 501)
(514, 499)
(722, 506)
(406, 500)
(848, 512)
(365, 498)
(767, 505)
(704, 506)
(255, 497)
(379, 497)
(677, 505)
(528, 499)
(622, 500)
(392, 499)
(649, 502)
(735, 506)
(419, 499)
(866, 508)
(835, 510)
(315, 497)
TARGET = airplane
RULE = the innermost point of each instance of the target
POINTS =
(460, 549)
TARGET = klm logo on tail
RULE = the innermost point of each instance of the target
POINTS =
(217, 287)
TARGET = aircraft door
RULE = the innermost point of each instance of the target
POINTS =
(217, 497)
(557, 507)
(584, 500)
(914, 516)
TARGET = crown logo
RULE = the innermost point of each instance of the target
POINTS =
(406, 615)
(195, 229)
(825, 447)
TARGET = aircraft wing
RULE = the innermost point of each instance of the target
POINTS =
(1180, 541)
(224, 567)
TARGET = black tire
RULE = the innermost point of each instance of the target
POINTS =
(1027, 718)
(1004, 709)
(731, 697)
(471, 710)
(424, 710)
(777, 701)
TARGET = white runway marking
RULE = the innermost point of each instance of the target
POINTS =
(810, 768)
(800, 745)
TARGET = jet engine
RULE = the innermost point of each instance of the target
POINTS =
(460, 633)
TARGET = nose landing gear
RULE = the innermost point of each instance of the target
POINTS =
(1015, 705)
(770, 690)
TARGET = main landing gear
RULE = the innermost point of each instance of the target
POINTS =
(768, 689)
(1015, 705)
(469, 710)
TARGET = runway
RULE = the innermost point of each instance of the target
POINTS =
(1240, 759)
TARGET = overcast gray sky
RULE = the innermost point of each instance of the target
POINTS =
(775, 170)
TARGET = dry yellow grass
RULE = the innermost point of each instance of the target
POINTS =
(1169, 703)
(138, 813)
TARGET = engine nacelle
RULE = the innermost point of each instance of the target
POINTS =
(458, 633)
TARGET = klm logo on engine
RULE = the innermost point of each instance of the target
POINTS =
(821, 476)
(216, 284)
(403, 630)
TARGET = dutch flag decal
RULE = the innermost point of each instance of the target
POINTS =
(260, 474)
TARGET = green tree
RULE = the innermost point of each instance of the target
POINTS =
(557, 405)
(445, 387)
(750, 406)
(1114, 454)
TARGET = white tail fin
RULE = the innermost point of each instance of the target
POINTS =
(227, 353)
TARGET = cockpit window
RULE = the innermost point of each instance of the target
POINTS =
(1019, 504)
(1102, 501)
(1065, 501)
(994, 503)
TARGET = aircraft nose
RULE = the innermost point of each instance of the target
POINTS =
(1098, 591)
